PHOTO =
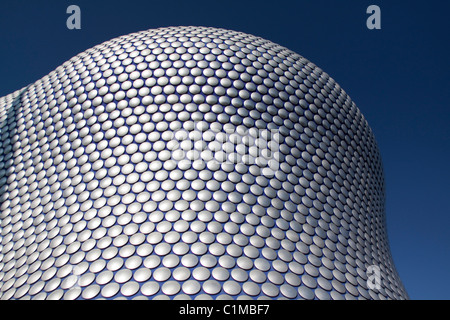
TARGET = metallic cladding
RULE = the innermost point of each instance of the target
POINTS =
(99, 201)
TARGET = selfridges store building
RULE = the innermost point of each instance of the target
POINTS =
(190, 163)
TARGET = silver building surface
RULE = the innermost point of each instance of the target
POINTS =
(190, 163)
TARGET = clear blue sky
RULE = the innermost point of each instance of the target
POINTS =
(398, 76)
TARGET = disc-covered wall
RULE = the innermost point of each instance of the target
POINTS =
(190, 163)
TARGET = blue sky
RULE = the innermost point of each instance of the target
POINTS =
(398, 77)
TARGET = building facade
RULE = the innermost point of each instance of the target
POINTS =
(190, 163)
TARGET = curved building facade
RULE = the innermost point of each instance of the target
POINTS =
(190, 163)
